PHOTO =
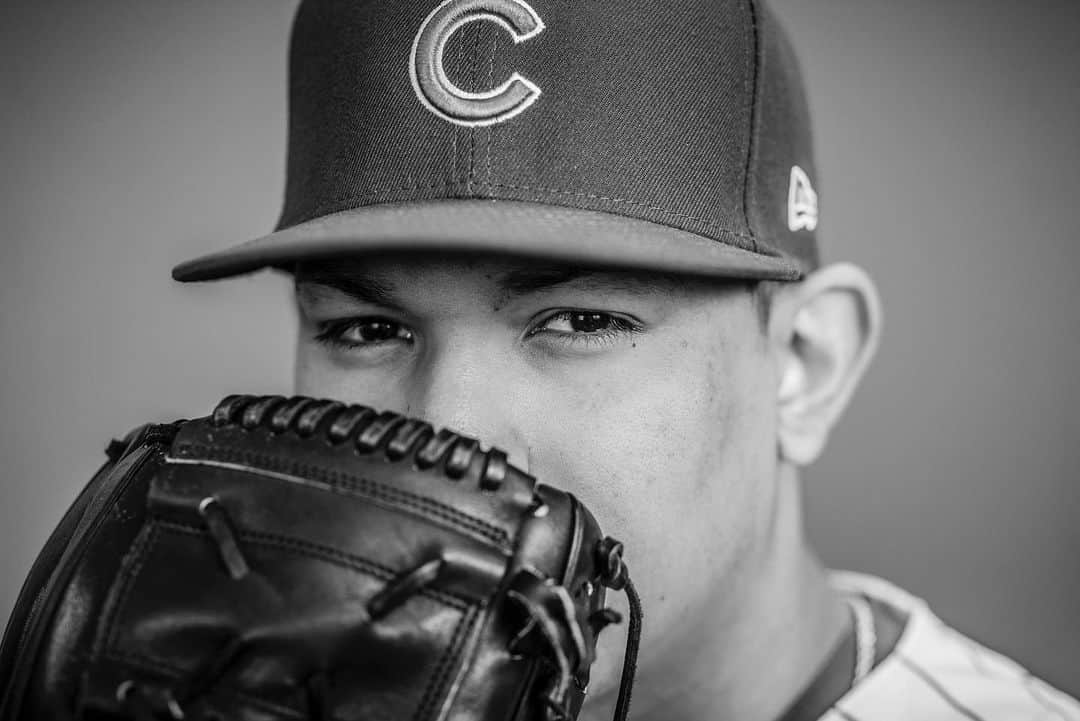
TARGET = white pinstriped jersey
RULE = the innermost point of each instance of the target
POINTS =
(937, 674)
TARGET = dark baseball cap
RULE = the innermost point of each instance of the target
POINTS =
(667, 135)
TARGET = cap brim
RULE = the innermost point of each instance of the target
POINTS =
(522, 229)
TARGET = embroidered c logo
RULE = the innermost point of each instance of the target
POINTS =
(450, 102)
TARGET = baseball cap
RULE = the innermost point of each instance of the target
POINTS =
(671, 136)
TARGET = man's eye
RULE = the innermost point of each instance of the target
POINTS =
(585, 325)
(362, 332)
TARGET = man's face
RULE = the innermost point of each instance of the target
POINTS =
(652, 399)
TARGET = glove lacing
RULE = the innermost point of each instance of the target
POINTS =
(617, 577)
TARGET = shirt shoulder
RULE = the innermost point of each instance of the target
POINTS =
(936, 673)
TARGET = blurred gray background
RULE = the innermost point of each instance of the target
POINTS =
(137, 133)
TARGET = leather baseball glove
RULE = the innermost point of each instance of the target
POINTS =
(288, 559)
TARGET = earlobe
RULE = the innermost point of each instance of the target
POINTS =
(824, 330)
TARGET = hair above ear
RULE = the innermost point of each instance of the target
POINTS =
(824, 331)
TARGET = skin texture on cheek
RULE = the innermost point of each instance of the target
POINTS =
(684, 481)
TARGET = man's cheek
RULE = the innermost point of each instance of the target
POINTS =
(319, 376)
(632, 457)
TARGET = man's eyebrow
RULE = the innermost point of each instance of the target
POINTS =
(367, 288)
(531, 280)
(359, 287)
(524, 281)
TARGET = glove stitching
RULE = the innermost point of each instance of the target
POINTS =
(324, 553)
(139, 662)
(359, 486)
(136, 662)
(130, 571)
(453, 651)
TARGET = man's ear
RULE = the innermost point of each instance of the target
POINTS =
(824, 331)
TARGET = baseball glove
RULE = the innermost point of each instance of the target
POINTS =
(287, 559)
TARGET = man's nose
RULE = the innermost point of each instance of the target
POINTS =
(467, 388)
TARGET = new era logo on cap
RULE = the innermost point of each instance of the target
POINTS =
(802, 202)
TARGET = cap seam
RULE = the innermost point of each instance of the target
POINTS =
(754, 82)
(459, 60)
(475, 72)
(348, 204)
(491, 82)
(453, 153)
